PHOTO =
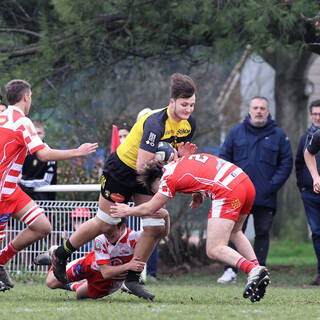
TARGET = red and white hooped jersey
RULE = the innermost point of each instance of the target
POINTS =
(106, 253)
(17, 136)
(205, 173)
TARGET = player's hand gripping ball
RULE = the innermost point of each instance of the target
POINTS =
(165, 151)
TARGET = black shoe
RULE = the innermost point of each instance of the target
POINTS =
(136, 288)
(258, 280)
(43, 259)
(59, 268)
(5, 278)
(3, 287)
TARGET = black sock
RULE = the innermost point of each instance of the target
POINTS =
(133, 276)
(65, 251)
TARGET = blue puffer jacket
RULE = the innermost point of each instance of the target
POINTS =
(264, 153)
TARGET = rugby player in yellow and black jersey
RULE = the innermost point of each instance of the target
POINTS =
(173, 124)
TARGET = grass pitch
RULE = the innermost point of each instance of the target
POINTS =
(190, 296)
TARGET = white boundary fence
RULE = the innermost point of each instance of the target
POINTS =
(58, 213)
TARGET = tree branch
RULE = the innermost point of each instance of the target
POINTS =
(14, 30)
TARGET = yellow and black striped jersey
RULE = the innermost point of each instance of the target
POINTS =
(153, 127)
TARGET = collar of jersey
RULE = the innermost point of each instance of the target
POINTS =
(17, 109)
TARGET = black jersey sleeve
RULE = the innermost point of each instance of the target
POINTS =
(314, 145)
(153, 130)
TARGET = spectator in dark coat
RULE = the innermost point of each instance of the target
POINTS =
(310, 197)
(263, 151)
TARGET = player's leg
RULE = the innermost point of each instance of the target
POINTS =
(258, 277)
(86, 232)
(38, 226)
(82, 291)
(153, 231)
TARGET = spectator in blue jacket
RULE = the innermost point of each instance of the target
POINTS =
(305, 182)
(263, 151)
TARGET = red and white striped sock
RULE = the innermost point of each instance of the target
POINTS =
(255, 262)
(245, 265)
(7, 253)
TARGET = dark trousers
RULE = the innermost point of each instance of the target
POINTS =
(311, 203)
(152, 263)
(262, 220)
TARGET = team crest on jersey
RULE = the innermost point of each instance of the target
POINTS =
(117, 197)
(3, 120)
(35, 162)
(236, 204)
(107, 193)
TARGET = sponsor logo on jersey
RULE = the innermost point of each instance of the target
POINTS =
(151, 139)
(35, 162)
(3, 120)
(78, 269)
(183, 131)
(117, 197)
(116, 261)
(103, 181)
(4, 217)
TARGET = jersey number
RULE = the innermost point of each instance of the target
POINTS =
(199, 157)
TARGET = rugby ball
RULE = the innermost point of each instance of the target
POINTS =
(165, 151)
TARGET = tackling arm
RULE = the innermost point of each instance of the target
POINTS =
(120, 210)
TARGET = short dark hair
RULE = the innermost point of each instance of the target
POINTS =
(314, 103)
(261, 98)
(181, 86)
(15, 89)
(150, 172)
(123, 221)
(124, 126)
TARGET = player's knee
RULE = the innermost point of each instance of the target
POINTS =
(42, 228)
(52, 282)
(214, 252)
(156, 232)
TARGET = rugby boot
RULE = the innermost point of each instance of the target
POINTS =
(2, 286)
(43, 259)
(258, 280)
(136, 288)
(59, 268)
(5, 278)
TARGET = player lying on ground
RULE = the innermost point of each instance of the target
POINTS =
(103, 270)
(231, 192)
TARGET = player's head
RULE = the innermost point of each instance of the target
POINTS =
(182, 96)
(114, 232)
(123, 131)
(19, 93)
(41, 130)
(181, 86)
(150, 175)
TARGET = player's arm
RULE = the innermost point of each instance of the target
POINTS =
(119, 210)
(120, 271)
(47, 154)
(310, 160)
(187, 148)
(197, 199)
(143, 157)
